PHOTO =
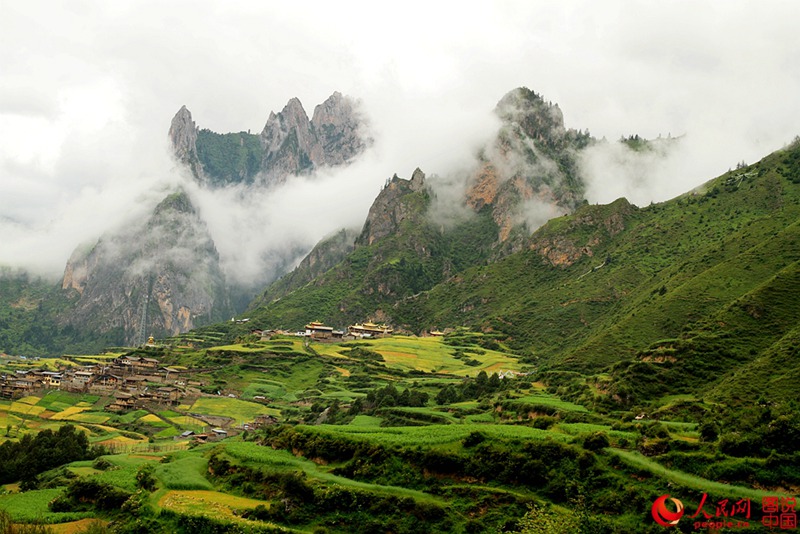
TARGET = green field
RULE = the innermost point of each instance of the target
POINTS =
(434, 434)
(186, 472)
(638, 461)
(240, 411)
(31, 506)
(429, 354)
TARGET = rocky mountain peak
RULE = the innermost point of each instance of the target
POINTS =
(175, 202)
(159, 276)
(531, 161)
(417, 180)
(183, 136)
(293, 144)
(537, 119)
(391, 207)
(328, 110)
(338, 128)
(288, 143)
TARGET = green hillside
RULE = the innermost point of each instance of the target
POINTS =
(607, 282)
(29, 309)
(414, 257)
(708, 279)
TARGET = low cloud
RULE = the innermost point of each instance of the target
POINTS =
(88, 91)
(536, 212)
(613, 169)
(260, 233)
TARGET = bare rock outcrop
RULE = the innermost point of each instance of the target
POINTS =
(293, 144)
(183, 136)
(392, 206)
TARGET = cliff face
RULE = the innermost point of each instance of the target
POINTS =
(183, 136)
(340, 130)
(589, 228)
(293, 144)
(164, 270)
(391, 208)
(530, 164)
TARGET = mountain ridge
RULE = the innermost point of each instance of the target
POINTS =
(289, 144)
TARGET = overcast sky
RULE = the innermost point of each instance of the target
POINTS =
(88, 89)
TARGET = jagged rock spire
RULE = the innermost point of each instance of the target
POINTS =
(183, 135)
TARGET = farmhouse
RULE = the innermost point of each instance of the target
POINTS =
(168, 394)
(148, 363)
(82, 377)
(107, 380)
(52, 379)
(132, 383)
(122, 402)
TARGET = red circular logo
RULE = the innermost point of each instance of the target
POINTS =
(662, 515)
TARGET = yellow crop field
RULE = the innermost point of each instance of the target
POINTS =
(150, 418)
(73, 527)
(69, 412)
(26, 409)
(121, 440)
(90, 417)
(430, 354)
(209, 503)
(187, 421)
(239, 410)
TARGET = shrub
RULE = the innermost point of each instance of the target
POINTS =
(595, 441)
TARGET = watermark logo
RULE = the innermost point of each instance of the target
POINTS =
(662, 515)
(777, 512)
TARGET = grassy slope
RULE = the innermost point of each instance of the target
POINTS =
(373, 277)
(720, 263)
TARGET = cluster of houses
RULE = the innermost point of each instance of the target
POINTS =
(131, 380)
(219, 433)
(319, 331)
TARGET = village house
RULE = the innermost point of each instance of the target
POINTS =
(82, 378)
(107, 380)
(52, 379)
(122, 402)
(27, 384)
(148, 363)
(184, 435)
(169, 394)
(134, 383)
